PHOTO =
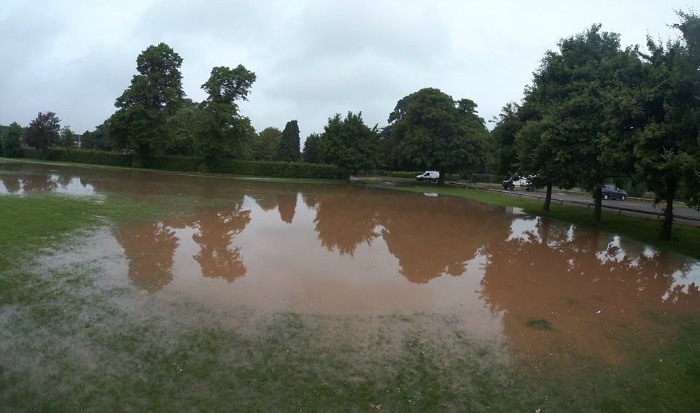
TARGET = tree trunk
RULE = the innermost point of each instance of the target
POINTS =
(669, 196)
(548, 198)
(598, 200)
(441, 178)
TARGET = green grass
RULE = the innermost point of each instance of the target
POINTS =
(72, 340)
(685, 239)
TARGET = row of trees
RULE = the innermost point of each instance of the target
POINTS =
(595, 110)
(43, 132)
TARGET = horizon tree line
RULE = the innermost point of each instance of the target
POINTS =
(594, 111)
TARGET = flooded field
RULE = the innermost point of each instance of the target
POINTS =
(288, 296)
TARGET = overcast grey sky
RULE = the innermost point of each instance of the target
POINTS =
(312, 58)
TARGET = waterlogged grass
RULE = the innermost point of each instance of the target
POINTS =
(75, 338)
(686, 239)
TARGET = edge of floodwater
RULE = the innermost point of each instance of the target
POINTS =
(686, 239)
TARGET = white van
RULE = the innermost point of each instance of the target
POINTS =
(429, 176)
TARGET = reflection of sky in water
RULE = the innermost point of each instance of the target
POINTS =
(49, 183)
(73, 187)
(684, 280)
(525, 230)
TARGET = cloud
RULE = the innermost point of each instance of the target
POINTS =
(312, 58)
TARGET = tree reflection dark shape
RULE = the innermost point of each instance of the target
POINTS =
(267, 201)
(149, 249)
(344, 221)
(435, 236)
(287, 205)
(63, 180)
(586, 288)
(38, 183)
(217, 227)
(284, 200)
(12, 183)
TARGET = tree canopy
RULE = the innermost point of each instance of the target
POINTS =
(222, 130)
(430, 130)
(154, 94)
(44, 131)
(349, 143)
(289, 144)
(11, 141)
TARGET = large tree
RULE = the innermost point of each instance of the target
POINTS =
(223, 131)
(570, 93)
(67, 137)
(667, 149)
(98, 139)
(266, 145)
(430, 130)
(289, 144)
(349, 143)
(44, 131)
(11, 141)
(182, 128)
(155, 94)
(508, 124)
(312, 149)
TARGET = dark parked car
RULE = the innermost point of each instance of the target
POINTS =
(613, 192)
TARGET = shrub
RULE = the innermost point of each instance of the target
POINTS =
(297, 170)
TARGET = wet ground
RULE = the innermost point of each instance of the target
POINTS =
(358, 265)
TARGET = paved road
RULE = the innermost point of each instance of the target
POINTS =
(642, 207)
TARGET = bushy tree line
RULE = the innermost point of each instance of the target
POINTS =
(596, 110)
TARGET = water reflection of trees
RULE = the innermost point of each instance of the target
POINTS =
(285, 200)
(437, 236)
(345, 220)
(430, 236)
(216, 229)
(38, 183)
(584, 285)
(12, 183)
(149, 249)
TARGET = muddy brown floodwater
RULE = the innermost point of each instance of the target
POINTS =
(544, 286)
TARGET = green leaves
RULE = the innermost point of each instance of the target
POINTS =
(222, 131)
(43, 131)
(227, 85)
(11, 141)
(154, 95)
(430, 130)
(349, 143)
(288, 150)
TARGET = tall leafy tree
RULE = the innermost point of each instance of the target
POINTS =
(223, 131)
(431, 130)
(155, 94)
(289, 144)
(667, 149)
(182, 127)
(508, 124)
(11, 141)
(99, 139)
(349, 143)
(266, 146)
(312, 149)
(570, 92)
(67, 137)
(44, 131)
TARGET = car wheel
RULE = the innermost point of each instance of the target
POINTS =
(605, 196)
(622, 198)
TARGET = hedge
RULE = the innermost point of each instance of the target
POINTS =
(296, 170)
